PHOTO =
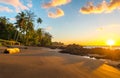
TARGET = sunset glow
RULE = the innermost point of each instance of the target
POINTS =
(60, 38)
(84, 22)
(110, 42)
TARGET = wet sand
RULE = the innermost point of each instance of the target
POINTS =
(37, 62)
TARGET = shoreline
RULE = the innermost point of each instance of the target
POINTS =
(90, 56)
(113, 63)
(40, 62)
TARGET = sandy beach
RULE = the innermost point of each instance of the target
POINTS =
(36, 62)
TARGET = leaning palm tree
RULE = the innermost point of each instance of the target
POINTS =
(20, 23)
(25, 24)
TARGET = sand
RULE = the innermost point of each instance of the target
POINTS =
(42, 62)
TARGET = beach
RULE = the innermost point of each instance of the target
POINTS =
(40, 62)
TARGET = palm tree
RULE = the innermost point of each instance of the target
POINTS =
(30, 15)
(39, 35)
(39, 21)
(20, 23)
(46, 40)
(25, 24)
(30, 26)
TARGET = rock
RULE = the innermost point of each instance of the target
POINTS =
(118, 65)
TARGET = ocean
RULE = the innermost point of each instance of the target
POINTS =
(107, 47)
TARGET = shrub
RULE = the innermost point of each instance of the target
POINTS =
(0, 44)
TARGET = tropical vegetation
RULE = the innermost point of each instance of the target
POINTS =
(23, 30)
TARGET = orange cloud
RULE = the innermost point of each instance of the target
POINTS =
(90, 8)
(55, 3)
(2, 8)
(114, 4)
(59, 13)
(100, 8)
(15, 3)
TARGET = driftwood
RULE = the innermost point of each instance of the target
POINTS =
(11, 50)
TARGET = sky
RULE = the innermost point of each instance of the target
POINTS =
(85, 22)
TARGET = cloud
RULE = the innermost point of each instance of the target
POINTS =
(48, 28)
(90, 8)
(12, 19)
(114, 4)
(29, 3)
(55, 3)
(2, 9)
(59, 13)
(103, 7)
(15, 3)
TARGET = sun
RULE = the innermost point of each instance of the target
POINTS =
(110, 42)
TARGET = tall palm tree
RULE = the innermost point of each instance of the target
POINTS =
(20, 23)
(25, 23)
(39, 21)
(30, 15)
(30, 25)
